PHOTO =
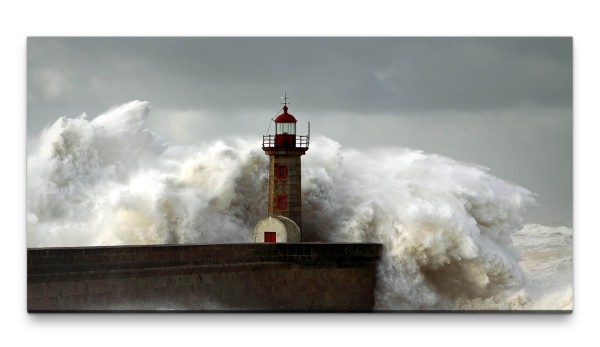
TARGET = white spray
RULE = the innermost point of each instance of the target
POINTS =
(446, 226)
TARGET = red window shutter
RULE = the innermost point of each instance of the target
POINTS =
(280, 171)
(281, 203)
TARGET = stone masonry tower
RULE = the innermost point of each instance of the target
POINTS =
(284, 150)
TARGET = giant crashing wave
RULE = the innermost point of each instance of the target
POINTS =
(445, 225)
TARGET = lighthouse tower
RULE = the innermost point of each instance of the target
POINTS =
(284, 200)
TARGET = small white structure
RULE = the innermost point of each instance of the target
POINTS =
(276, 229)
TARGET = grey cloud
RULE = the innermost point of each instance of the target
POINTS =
(371, 75)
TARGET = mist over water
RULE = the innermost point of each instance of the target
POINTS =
(453, 234)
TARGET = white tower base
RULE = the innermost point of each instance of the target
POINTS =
(276, 229)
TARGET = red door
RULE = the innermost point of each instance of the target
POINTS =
(270, 236)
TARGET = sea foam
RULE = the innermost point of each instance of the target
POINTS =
(447, 227)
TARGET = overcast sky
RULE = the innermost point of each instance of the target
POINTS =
(503, 103)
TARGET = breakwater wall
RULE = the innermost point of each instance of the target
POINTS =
(273, 277)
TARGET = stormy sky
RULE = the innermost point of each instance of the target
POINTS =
(503, 103)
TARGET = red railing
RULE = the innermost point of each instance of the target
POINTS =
(301, 141)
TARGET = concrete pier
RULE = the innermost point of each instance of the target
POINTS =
(273, 277)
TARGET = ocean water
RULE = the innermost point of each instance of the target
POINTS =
(452, 232)
(547, 259)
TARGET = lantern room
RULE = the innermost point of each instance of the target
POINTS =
(285, 129)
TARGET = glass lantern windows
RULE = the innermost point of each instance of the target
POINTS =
(286, 128)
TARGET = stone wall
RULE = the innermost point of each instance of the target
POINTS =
(223, 277)
(290, 187)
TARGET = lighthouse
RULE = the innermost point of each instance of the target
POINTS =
(284, 202)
